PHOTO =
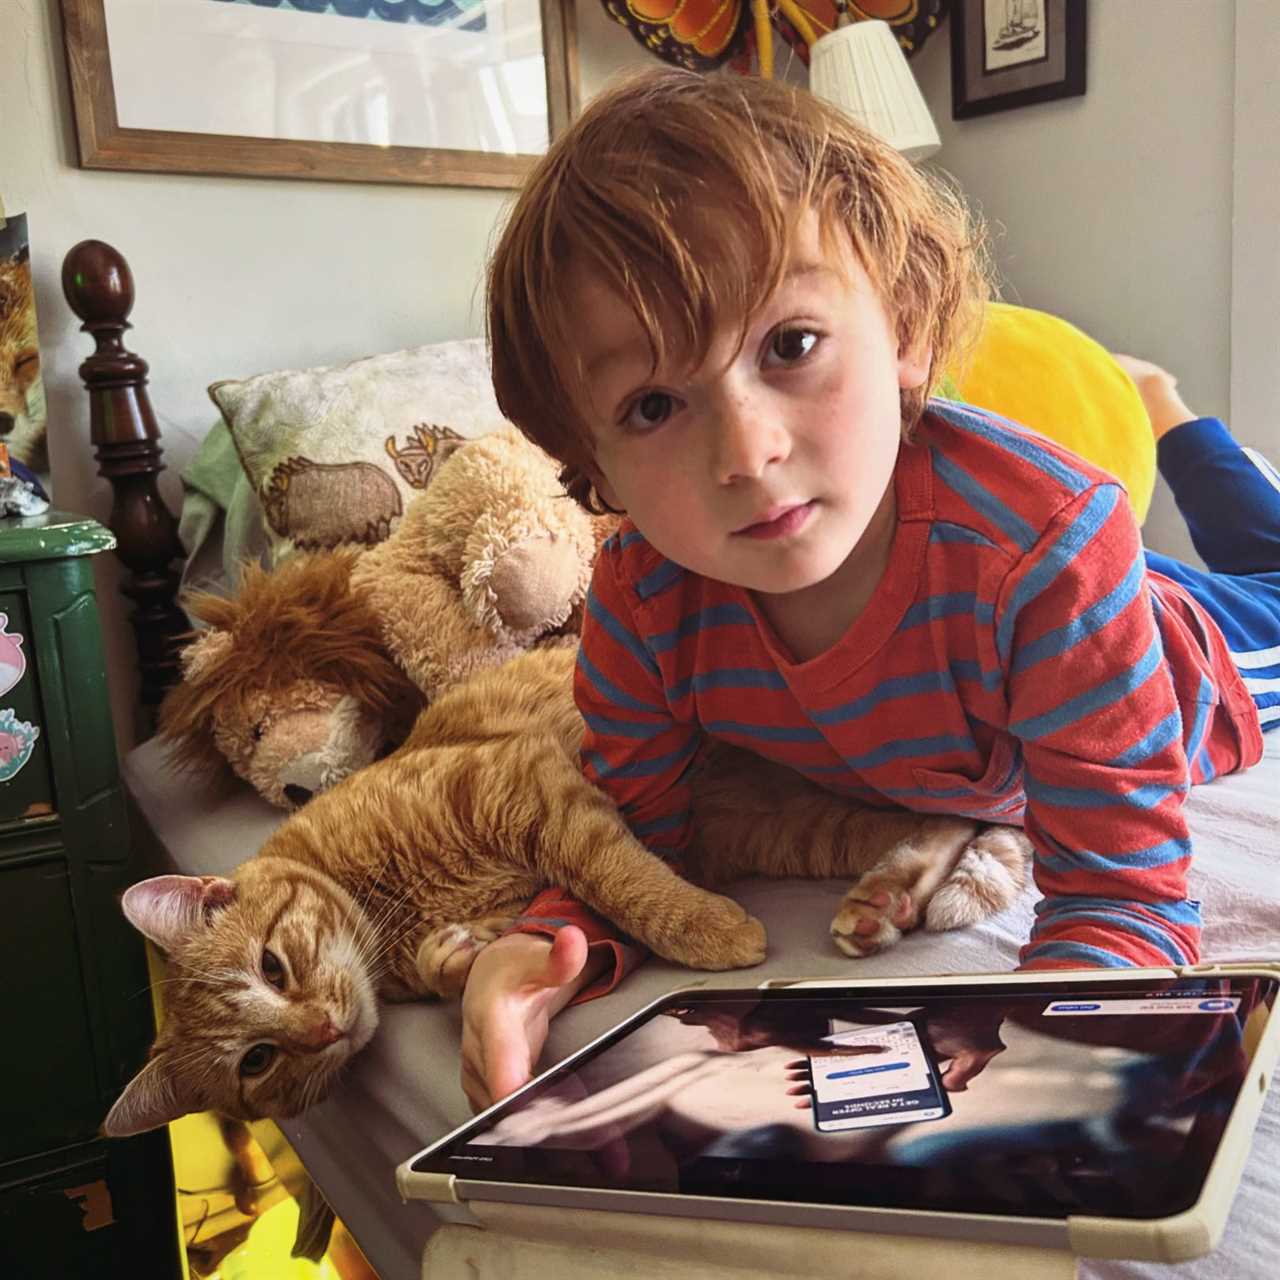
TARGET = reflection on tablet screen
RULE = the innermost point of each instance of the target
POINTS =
(1024, 1101)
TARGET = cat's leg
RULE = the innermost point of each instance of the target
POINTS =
(890, 899)
(753, 817)
(578, 840)
(990, 875)
(444, 957)
(953, 873)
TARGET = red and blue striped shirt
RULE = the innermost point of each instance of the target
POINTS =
(1018, 662)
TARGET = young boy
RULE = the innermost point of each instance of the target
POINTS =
(720, 304)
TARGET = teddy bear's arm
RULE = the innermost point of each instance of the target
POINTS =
(426, 625)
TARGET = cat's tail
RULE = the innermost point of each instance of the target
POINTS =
(989, 876)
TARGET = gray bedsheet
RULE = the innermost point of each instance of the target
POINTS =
(403, 1091)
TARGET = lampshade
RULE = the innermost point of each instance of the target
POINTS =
(861, 68)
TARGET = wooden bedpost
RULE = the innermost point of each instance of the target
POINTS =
(99, 288)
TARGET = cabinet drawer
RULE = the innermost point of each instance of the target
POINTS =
(26, 772)
(49, 1061)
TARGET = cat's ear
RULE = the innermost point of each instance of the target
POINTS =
(169, 909)
(152, 1098)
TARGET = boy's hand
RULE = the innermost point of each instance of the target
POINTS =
(516, 986)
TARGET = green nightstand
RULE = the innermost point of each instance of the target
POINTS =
(77, 1014)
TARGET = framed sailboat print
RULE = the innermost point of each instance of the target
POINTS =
(1012, 53)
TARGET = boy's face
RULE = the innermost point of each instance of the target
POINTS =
(761, 469)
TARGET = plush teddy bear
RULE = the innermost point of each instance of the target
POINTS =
(314, 670)
(493, 559)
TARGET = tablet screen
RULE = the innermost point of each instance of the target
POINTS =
(1044, 1101)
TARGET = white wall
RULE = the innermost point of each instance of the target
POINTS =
(1255, 251)
(1116, 211)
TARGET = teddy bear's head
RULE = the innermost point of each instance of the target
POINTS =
(289, 683)
(491, 560)
(500, 524)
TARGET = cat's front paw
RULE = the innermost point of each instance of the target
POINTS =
(872, 918)
(446, 954)
(717, 934)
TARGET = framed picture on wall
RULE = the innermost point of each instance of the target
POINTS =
(1012, 53)
(443, 92)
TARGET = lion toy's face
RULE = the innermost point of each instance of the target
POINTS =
(291, 743)
(290, 683)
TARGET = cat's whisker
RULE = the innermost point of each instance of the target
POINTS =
(380, 945)
(388, 946)
(394, 902)
(366, 896)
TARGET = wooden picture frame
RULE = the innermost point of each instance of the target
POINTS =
(1012, 53)
(105, 144)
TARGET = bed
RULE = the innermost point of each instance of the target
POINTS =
(404, 1091)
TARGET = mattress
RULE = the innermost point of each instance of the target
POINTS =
(403, 1091)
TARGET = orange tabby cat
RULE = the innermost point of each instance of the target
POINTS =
(385, 886)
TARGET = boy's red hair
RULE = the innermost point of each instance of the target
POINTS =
(680, 192)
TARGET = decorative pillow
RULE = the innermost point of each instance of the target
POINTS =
(335, 454)
(221, 527)
(1045, 373)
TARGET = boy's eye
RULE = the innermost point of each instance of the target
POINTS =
(272, 969)
(790, 345)
(648, 411)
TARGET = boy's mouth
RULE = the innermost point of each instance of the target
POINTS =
(778, 522)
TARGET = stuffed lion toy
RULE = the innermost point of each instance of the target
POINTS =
(290, 683)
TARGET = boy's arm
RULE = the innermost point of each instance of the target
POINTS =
(632, 750)
(1092, 703)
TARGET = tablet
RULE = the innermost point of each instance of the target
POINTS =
(1108, 1112)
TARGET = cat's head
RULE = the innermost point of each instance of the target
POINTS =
(268, 993)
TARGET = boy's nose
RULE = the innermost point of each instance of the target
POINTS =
(749, 440)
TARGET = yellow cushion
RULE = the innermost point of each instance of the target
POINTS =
(1045, 373)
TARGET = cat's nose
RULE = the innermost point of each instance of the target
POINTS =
(321, 1034)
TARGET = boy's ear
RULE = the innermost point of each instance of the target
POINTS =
(914, 367)
(605, 491)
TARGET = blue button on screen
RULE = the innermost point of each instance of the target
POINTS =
(866, 1071)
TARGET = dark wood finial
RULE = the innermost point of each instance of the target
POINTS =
(98, 286)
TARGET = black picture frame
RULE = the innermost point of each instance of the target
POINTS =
(987, 38)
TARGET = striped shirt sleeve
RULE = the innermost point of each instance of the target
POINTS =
(632, 750)
(1092, 704)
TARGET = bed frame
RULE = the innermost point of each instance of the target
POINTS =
(98, 286)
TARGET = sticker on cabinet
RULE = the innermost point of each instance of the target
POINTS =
(13, 662)
(17, 741)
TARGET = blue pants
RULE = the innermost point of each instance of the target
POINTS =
(1230, 499)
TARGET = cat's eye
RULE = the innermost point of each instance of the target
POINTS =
(272, 969)
(257, 1060)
